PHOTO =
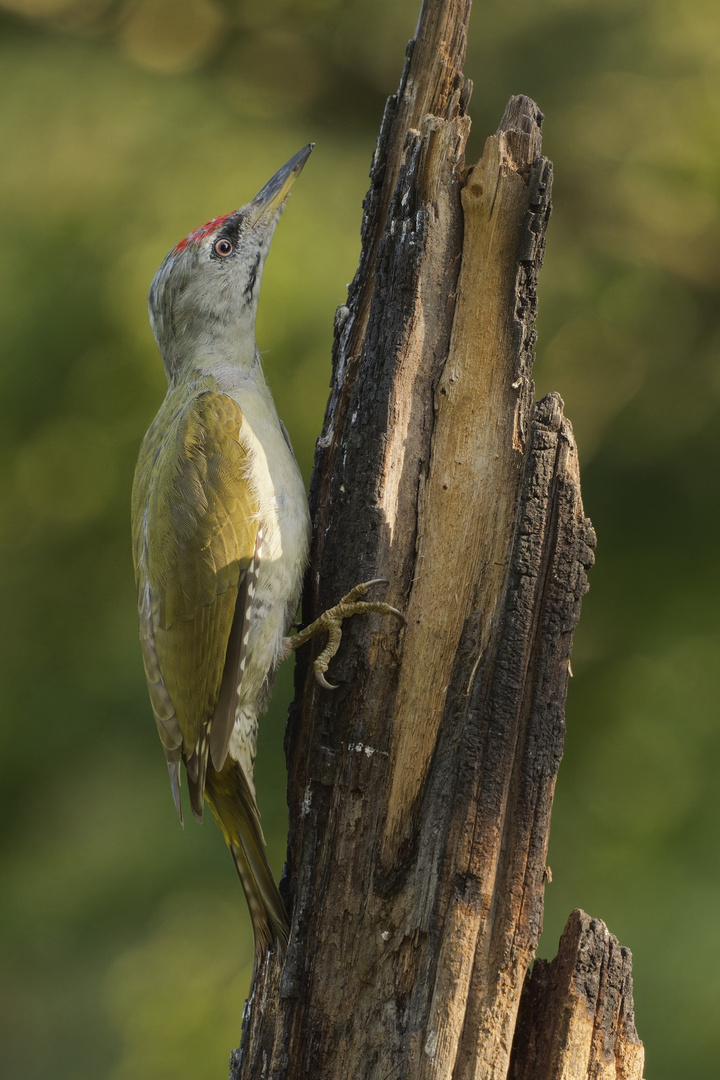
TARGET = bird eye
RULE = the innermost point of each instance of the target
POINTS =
(222, 247)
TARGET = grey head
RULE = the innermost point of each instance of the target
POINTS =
(203, 298)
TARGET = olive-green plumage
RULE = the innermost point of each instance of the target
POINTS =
(199, 509)
(220, 533)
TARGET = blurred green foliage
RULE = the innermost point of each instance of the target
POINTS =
(124, 124)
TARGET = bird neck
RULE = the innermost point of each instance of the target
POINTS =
(226, 354)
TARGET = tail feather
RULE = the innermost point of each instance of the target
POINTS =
(233, 805)
(267, 911)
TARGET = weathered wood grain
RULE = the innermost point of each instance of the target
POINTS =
(468, 501)
(576, 1014)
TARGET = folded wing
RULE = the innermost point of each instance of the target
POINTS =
(195, 530)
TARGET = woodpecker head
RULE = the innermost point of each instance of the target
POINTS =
(205, 293)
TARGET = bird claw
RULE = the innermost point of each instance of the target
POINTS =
(320, 676)
(331, 620)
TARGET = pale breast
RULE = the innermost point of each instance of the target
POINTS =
(284, 520)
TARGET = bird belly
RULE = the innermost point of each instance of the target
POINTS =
(284, 525)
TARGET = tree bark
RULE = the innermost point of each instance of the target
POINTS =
(420, 791)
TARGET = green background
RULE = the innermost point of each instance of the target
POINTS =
(124, 124)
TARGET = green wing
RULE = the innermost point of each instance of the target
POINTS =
(195, 533)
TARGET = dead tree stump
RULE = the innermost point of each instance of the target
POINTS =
(420, 791)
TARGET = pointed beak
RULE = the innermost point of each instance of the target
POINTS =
(268, 203)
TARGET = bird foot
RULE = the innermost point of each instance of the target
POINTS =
(330, 623)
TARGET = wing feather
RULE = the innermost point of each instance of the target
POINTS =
(196, 516)
(227, 702)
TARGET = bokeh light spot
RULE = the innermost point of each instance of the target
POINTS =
(171, 36)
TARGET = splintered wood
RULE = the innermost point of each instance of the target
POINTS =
(576, 1014)
(468, 500)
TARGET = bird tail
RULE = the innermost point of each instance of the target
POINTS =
(234, 808)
